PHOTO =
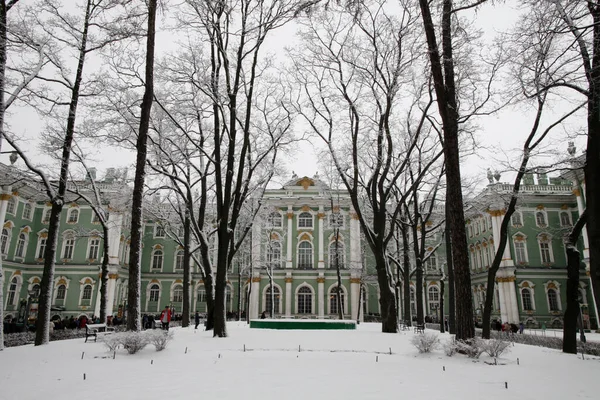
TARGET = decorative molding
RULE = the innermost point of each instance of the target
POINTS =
(113, 276)
(540, 207)
(564, 207)
(321, 215)
(577, 192)
(354, 215)
(304, 236)
(290, 215)
(5, 196)
(355, 280)
(289, 280)
(506, 279)
(256, 279)
(497, 213)
(306, 208)
(305, 183)
(321, 280)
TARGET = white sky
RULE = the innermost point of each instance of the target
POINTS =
(499, 133)
(331, 365)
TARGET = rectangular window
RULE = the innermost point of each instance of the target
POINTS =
(68, 248)
(520, 256)
(94, 249)
(159, 232)
(41, 248)
(545, 252)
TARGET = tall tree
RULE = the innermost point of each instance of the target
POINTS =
(137, 222)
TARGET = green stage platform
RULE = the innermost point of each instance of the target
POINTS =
(310, 324)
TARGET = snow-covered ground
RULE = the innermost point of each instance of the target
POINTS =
(330, 365)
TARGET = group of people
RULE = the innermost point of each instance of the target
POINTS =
(508, 328)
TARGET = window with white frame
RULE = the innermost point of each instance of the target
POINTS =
(336, 254)
(27, 211)
(37, 289)
(179, 260)
(157, 259)
(472, 253)
(154, 293)
(431, 262)
(12, 292)
(553, 303)
(540, 219)
(336, 220)
(178, 294)
(273, 254)
(516, 219)
(305, 220)
(492, 251)
(305, 255)
(434, 297)
(61, 292)
(11, 206)
(565, 219)
(47, 215)
(275, 220)
(68, 247)
(413, 304)
(159, 231)
(527, 299)
(201, 299)
(274, 299)
(486, 255)
(520, 246)
(545, 243)
(21, 245)
(333, 300)
(95, 218)
(5, 240)
(87, 293)
(228, 298)
(73, 216)
(93, 248)
(304, 300)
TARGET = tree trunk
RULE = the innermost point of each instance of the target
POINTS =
(185, 317)
(133, 296)
(406, 278)
(387, 300)
(104, 276)
(441, 320)
(573, 265)
(220, 327)
(42, 334)
(451, 298)
(445, 89)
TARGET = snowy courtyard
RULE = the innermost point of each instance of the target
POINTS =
(299, 364)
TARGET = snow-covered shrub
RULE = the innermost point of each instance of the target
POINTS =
(495, 347)
(425, 342)
(449, 347)
(112, 341)
(472, 347)
(159, 339)
(133, 341)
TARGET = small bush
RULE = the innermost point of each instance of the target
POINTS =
(159, 339)
(495, 347)
(472, 347)
(133, 341)
(449, 347)
(112, 341)
(425, 342)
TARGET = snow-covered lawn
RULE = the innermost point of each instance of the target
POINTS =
(330, 365)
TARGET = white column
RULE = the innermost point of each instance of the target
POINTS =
(497, 216)
(321, 296)
(321, 219)
(581, 209)
(255, 297)
(514, 317)
(355, 263)
(354, 297)
(503, 305)
(4, 198)
(289, 239)
(288, 296)
(114, 223)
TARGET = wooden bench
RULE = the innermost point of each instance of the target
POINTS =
(404, 325)
(420, 328)
(94, 329)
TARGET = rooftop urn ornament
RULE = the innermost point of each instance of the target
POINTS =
(497, 176)
(490, 176)
(571, 149)
(294, 176)
(13, 157)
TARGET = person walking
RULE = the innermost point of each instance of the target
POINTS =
(197, 319)
(165, 318)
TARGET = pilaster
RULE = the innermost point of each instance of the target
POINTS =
(321, 295)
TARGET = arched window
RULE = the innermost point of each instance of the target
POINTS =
(178, 294)
(336, 220)
(61, 292)
(516, 219)
(68, 247)
(87, 292)
(159, 231)
(434, 298)
(73, 216)
(94, 248)
(305, 220)
(431, 262)
(336, 254)
(565, 219)
(12, 292)
(179, 260)
(157, 259)
(275, 299)
(540, 219)
(274, 220)
(553, 300)
(333, 300)
(305, 255)
(304, 300)
(37, 289)
(274, 254)
(526, 298)
(27, 211)
(20, 250)
(5, 241)
(154, 293)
